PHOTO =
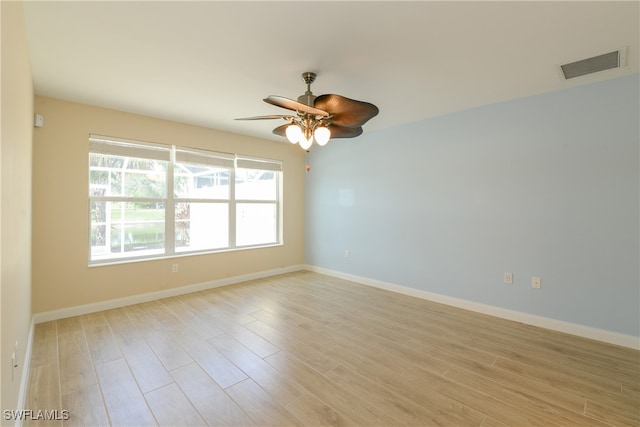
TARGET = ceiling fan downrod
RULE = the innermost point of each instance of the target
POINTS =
(308, 98)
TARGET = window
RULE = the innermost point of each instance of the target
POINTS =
(150, 200)
(256, 194)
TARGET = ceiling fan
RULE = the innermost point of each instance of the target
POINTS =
(319, 118)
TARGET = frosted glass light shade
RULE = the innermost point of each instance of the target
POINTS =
(293, 133)
(305, 143)
(322, 135)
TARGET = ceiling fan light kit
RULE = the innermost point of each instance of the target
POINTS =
(319, 118)
(307, 130)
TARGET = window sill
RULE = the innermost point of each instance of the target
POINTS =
(131, 260)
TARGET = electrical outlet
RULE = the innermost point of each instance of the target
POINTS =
(174, 268)
(508, 278)
(536, 282)
(347, 254)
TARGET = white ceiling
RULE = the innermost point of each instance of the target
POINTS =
(206, 63)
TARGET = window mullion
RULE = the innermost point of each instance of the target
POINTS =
(170, 208)
(232, 207)
(279, 208)
(257, 202)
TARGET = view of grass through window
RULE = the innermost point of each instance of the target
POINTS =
(149, 200)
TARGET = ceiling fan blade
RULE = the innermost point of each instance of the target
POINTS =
(274, 116)
(344, 132)
(336, 131)
(345, 111)
(290, 104)
(281, 130)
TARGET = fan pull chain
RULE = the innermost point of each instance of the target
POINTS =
(308, 166)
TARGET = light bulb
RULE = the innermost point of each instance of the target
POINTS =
(293, 133)
(322, 135)
(305, 143)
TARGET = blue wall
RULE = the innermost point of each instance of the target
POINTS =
(544, 186)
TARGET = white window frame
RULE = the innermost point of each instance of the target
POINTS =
(244, 162)
(173, 154)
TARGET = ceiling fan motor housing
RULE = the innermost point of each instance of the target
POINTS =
(307, 99)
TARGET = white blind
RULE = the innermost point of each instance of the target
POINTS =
(209, 158)
(127, 148)
(262, 164)
(145, 150)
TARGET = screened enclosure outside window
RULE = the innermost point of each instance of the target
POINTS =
(202, 195)
(256, 186)
(150, 200)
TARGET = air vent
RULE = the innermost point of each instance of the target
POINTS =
(594, 64)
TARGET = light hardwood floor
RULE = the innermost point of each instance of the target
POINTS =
(307, 349)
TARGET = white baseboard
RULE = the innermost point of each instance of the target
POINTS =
(529, 319)
(151, 296)
(26, 367)
(122, 302)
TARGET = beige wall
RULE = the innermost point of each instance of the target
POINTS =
(61, 276)
(15, 201)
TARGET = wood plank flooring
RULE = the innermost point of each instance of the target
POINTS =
(312, 350)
